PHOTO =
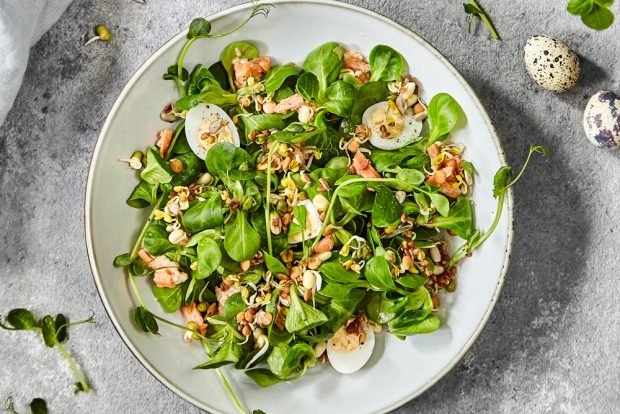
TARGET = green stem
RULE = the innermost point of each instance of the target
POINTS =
(527, 161)
(66, 325)
(74, 367)
(243, 23)
(226, 384)
(174, 140)
(149, 220)
(274, 145)
(189, 43)
(138, 244)
(498, 216)
(136, 291)
(180, 85)
(465, 248)
(180, 63)
(485, 19)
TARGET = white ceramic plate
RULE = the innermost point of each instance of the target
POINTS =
(398, 370)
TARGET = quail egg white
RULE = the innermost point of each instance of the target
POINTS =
(206, 125)
(601, 120)
(551, 63)
(346, 354)
(313, 224)
(389, 128)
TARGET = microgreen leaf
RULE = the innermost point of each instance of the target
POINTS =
(145, 320)
(48, 329)
(579, 7)
(600, 18)
(123, 260)
(38, 406)
(263, 378)
(501, 180)
(61, 324)
(199, 27)
(594, 13)
(20, 319)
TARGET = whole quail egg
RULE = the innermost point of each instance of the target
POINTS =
(601, 120)
(551, 63)
(206, 125)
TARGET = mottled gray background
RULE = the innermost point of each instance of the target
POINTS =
(551, 345)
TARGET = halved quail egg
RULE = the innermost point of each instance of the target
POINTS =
(389, 128)
(206, 125)
(350, 349)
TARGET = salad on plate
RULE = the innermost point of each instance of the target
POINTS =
(299, 209)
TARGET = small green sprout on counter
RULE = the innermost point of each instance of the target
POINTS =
(54, 332)
(37, 406)
(474, 10)
(103, 33)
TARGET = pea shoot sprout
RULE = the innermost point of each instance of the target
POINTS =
(103, 33)
(135, 161)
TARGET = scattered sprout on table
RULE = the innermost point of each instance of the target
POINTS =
(473, 9)
(53, 331)
(103, 34)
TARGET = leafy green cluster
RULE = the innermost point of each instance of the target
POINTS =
(224, 234)
(242, 222)
(595, 14)
(54, 333)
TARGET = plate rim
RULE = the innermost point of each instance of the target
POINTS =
(222, 13)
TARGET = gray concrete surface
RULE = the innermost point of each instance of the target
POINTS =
(552, 345)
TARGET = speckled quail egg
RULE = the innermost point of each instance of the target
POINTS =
(389, 128)
(601, 120)
(551, 63)
(313, 224)
(345, 354)
(206, 125)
